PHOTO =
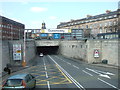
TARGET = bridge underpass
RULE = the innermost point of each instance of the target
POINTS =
(50, 50)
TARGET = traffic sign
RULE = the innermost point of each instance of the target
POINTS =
(96, 53)
(56, 36)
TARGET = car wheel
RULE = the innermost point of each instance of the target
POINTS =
(34, 84)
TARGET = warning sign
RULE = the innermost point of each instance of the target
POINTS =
(96, 53)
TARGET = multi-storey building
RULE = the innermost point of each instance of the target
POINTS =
(103, 23)
(10, 29)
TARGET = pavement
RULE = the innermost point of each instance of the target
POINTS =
(107, 66)
(20, 67)
(13, 69)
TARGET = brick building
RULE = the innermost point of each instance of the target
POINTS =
(10, 29)
(103, 23)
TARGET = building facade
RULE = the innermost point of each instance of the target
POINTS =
(10, 29)
(103, 23)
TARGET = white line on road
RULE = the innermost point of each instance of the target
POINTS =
(108, 83)
(44, 62)
(44, 65)
(68, 63)
(87, 73)
(108, 73)
(45, 68)
(100, 74)
(48, 85)
(46, 74)
(75, 66)
(68, 75)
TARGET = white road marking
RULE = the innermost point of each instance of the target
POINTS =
(44, 61)
(68, 75)
(45, 68)
(46, 74)
(108, 73)
(44, 65)
(75, 66)
(48, 85)
(108, 83)
(63, 60)
(102, 75)
(68, 63)
(87, 73)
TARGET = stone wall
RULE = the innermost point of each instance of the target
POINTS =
(5, 56)
(7, 52)
(107, 50)
(74, 49)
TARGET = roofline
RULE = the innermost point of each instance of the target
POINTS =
(90, 17)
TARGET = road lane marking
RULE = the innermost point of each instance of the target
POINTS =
(63, 74)
(100, 74)
(63, 60)
(75, 66)
(44, 61)
(46, 74)
(87, 73)
(108, 73)
(68, 63)
(48, 85)
(68, 75)
(45, 68)
(108, 83)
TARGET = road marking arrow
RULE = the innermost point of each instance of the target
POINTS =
(102, 75)
(108, 73)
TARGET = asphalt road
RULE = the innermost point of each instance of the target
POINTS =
(53, 71)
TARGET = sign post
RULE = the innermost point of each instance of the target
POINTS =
(24, 51)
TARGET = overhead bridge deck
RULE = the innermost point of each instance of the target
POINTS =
(40, 43)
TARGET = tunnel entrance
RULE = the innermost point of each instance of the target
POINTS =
(48, 50)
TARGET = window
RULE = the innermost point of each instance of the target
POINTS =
(110, 17)
(106, 17)
(115, 15)
(114, 22)
(110, 23)
(28, 78)
(13, 82)
(101, 30)
(81, 46)
(106, 24)
(86, 26)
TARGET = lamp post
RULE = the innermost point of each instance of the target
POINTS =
(24, 51)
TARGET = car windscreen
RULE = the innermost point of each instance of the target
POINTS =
(13, 82)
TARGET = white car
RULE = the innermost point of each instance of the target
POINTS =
(41, 54)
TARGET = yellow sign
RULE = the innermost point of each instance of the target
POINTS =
(42, 31)
(69, 31)
(18, 51)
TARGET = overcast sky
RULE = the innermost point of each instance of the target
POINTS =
(52, 12)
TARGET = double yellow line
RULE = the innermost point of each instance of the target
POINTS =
(64, 74)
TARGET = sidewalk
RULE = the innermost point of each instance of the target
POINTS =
(106, 65)
(13, 69)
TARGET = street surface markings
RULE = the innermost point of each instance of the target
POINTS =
(108, 83)
(55, 76)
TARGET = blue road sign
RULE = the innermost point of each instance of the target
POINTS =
(56, 36)
(44, 35)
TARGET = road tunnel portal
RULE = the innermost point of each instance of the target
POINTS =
(47, 50)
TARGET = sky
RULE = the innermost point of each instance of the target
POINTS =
(34, 13)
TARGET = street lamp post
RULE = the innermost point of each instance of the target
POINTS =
(24, 51)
